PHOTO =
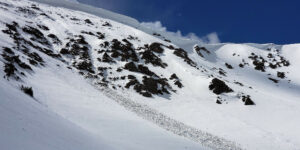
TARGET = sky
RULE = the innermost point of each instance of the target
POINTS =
(237, 21)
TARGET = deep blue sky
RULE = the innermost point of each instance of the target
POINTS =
(239, 21)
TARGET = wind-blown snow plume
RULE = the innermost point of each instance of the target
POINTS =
(211, 38)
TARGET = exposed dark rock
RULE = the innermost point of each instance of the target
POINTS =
(219, 87)
(146, 94)
(222, 72)
(106, 58)
(22, 43)
(200, 49)
(156, 47)
(74, 19)
(140, 68)
(115, 54)
(88, 21)
(171, 47)
(176, 80)
(26, 11)
(105, 44)
(43, 14)
(37, 35)
(24, 66)
(88, 33)
(156, 34)
(32, 62)
(102, 68)
(183, 54)
(247, 100)
(78, 48)
(270, 55)
(81, 40)
(49, 52)
(130, 37)
(272, 66)
(55, 39)
(131, 67)
(284, 62)
(219, 100)
(12, 29)
(119, 70)
(178, 83)
(84, 65)
(281, 75)
(149, 57)
(173, 76)
(9, 69)
(8, 50)
(125, 51)
(11, 59)
(43, 27)
(259, 62)
(131, 77)
(259, 65)
(239, 83)
(15, 59)
(107, 24)
(27, 90)
(64, 51)
(33, 6)
(274, 80)
(131, 83)
(100, 35)
(228, 66)
(151, 85)
(128, 44)
(167, 40)
(5, 4)
(145, 70)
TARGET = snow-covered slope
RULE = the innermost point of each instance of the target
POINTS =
(129, 87)
(27, 125)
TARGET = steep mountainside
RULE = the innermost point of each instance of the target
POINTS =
(101, 73)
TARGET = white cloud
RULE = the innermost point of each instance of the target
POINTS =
(154, 26)
(210, 38)
(213, 38)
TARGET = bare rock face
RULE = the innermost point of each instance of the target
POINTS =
(149, 57)
(149, 86)
(281, 75)
(218, 87)
(184, 55)
(274, 80)
(156, 48)
(228, 66)
(176, 80)
(199, 50)
(27, 90)
(247, 100)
